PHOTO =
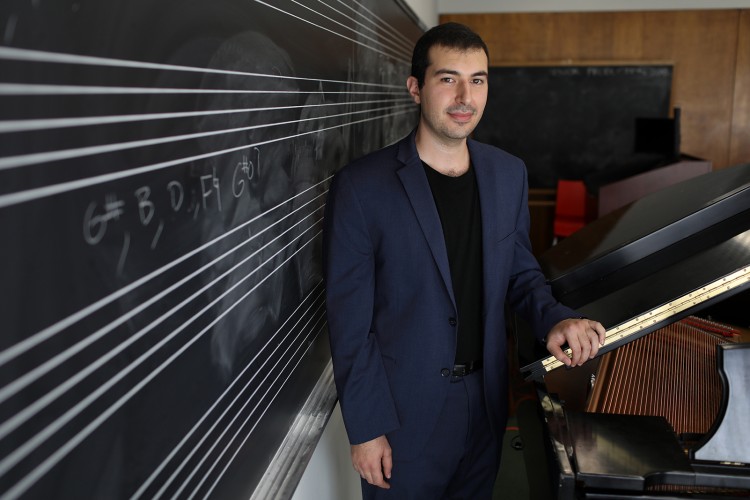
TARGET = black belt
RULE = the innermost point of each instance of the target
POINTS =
(462, 369)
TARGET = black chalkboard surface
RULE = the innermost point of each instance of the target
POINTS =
(163, 171)
(572, 121)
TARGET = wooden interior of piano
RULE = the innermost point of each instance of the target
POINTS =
(672, 374)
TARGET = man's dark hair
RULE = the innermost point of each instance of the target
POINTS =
(448, 35)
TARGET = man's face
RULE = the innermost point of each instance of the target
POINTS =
(454, 92)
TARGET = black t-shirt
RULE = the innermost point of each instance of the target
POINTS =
(457, 201)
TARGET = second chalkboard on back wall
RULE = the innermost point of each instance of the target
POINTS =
(572, 121)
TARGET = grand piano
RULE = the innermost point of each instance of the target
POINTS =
(663, 411)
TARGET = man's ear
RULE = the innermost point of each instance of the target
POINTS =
(412, 84)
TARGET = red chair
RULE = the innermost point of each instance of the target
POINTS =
(571, 208)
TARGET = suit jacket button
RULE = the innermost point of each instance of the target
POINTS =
(445, 372)
(452, 321)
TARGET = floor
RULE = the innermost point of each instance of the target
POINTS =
(512, 482)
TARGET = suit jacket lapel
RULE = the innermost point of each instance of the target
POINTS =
(494, 199)
(418, 190)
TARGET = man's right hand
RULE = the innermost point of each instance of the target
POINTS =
(373, 461)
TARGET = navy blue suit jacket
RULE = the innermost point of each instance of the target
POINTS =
(391, 309)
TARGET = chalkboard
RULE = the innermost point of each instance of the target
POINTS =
(164, 166)
(569, 122)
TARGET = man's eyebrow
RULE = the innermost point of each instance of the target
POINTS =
(446, 71)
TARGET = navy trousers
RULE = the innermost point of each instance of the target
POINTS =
(461, 458)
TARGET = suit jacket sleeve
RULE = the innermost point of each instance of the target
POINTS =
(349, 259)
(528, 292)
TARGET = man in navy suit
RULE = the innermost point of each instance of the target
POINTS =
(425, 242)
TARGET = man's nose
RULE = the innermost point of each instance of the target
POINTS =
(463, 93)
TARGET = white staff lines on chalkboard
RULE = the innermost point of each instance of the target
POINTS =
(28, 195)
(401, 56)
(41, 56)
(9, 126)
(401, 51)
(398, 40)
(245, 396)
(30, 342)
(25, 449)
(9, 162)
(35, 374)
(27, 481)
(17, 161)
(285, 370)
(32, 89)
(373, 18)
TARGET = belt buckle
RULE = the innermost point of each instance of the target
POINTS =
(463, 369)
(460, 370)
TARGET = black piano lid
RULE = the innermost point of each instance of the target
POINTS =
(646, 226)
(656, 260)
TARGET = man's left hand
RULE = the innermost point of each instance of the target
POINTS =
(583, 336)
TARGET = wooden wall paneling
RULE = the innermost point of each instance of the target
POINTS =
(739, 144)
(703, 45)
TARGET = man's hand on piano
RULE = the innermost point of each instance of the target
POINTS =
(583, 337)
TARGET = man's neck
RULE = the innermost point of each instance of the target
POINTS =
(448, 158)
